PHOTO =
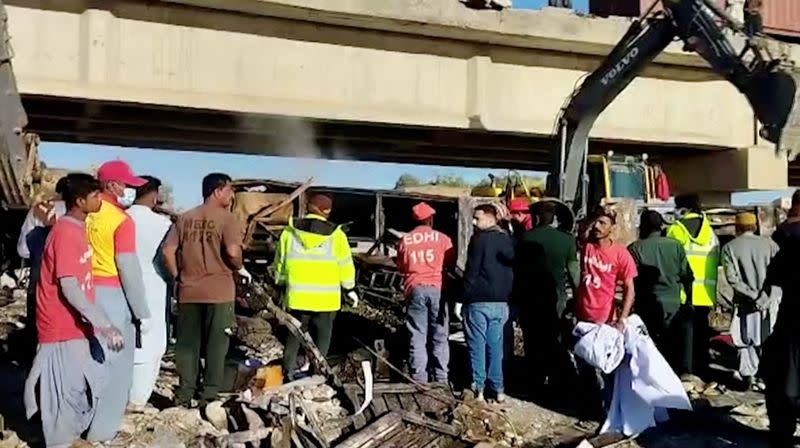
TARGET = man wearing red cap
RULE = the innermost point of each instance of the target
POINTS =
(422, 256)
(119, 287)
(520, 216)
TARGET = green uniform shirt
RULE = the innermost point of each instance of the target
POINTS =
(545, 256)
(663, 269)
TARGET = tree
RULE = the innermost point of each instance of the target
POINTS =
(450, 181)
(407, 180)
(166, 195)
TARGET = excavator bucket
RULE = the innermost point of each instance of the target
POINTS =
(775, 97)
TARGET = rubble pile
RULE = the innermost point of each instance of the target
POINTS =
(257, 339)
(167, 380)
(12, 312)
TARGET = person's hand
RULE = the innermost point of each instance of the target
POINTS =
(113, 337)
(245, 275)
(619, 324)
(353, 296)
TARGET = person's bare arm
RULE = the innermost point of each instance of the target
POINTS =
(628, 297)
(233, 253)
(232, 242)
(169, 250)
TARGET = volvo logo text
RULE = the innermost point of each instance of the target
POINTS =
(621, 65)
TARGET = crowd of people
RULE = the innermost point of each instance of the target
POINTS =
(520, 268)
(104, 263)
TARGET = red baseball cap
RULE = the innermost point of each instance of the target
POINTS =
(422, 211)
(119, 171)
(519, 205)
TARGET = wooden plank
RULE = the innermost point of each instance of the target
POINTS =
(353, 393)
(400, 434)
(408, 403)
(379, 406)
(375, 431)
(392, 402)
(439, 441)
(419, 438)
(421, 420)
(394, 388)
(294, 327)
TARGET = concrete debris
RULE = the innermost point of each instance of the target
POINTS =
(9, 439)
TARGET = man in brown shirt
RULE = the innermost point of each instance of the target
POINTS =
(202, 251)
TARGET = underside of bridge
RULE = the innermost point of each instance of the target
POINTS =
(147, 126)
(794, 173)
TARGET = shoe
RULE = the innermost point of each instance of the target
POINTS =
(501, 397)
(479, 397)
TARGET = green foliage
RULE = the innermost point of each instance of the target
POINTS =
(407, 180)
(500, 181)
(450, 181)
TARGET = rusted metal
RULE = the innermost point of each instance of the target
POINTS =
(629, 8)
(781, 17)
(15, 179)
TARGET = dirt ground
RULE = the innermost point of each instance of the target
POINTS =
(723, 416)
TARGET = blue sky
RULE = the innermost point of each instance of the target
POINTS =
(580, 5)
(184, 170)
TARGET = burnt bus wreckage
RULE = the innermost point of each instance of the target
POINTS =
(374, 221)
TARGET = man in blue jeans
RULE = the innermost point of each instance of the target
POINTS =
(422, 256)
(487, 287)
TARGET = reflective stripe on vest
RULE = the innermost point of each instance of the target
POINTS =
(704, 262)
(312, 276)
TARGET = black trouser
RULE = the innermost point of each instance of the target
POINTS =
(201, 334)
(700, 338)
(546, 356)
(673, 336)
(321, 327)
(782, 412)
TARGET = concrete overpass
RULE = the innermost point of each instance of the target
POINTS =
(426, 81)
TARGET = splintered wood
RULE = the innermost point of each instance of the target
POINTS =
(295, 327)
(402, 429)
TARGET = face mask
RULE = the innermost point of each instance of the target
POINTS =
(127, 198)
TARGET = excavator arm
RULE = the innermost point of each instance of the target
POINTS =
(770, 87)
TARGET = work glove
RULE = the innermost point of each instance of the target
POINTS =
(457, 312)
(113, 337)
(245, 275)
(353, 296)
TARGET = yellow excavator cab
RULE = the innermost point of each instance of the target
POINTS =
(613, 178)
(514, 187)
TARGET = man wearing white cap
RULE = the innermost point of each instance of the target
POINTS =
(422, 256)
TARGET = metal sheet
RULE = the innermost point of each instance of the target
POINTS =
(627, 8)
(781, 17)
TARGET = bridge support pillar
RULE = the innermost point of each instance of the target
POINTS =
(716, 174)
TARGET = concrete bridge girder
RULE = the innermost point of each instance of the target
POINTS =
(431, 65)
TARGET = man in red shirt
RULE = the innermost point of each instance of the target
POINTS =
(69, 365)
(422, 256)
(604, 263)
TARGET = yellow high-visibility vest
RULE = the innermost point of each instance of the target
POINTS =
(703, 255)
(314, 268)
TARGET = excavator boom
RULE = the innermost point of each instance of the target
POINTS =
(769, 84)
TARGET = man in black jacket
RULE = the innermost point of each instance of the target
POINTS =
(488, 279)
